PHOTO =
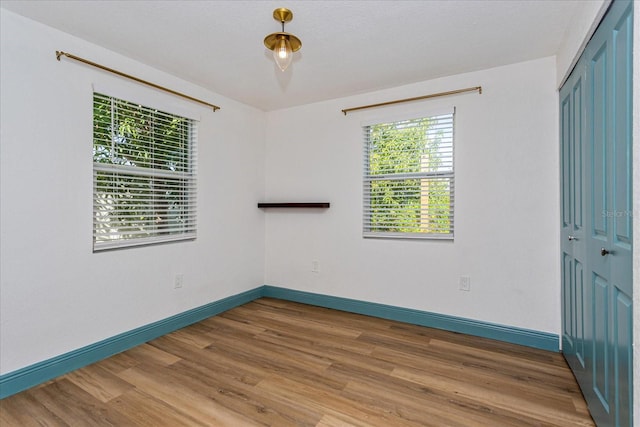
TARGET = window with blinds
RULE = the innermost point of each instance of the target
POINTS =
(144, 175)
(409, 178)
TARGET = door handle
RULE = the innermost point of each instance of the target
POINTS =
(604, 252)
(572, 238)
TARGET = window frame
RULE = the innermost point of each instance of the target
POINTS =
(170, 179)
(368, 228)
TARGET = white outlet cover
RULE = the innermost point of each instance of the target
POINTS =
(178, 281)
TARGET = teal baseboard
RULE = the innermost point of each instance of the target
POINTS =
(526, 337)
(22, 379)
(27, 377)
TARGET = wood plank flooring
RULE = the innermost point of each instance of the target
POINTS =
(279, 363)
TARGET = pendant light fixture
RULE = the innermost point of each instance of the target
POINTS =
(282, 44)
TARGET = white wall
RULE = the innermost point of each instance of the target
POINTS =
(506, 218)
(56, 295)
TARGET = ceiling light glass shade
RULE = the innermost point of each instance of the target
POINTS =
(282, 53)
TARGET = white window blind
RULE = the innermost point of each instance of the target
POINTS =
(409, 178)
(144, 175)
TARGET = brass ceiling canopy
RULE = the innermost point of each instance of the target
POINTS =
(282, 44)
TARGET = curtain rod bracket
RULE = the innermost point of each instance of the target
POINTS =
(60, 53)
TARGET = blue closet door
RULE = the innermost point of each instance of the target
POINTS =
(572, 115)
(597, 272)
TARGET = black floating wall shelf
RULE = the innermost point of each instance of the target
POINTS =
(323, 205)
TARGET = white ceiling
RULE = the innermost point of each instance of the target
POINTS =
(348, 47)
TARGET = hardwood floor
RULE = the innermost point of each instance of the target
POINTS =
(280, 363)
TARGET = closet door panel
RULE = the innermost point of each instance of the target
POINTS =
(601, 353)
(572, 226)
(620, 241)
(622, 358)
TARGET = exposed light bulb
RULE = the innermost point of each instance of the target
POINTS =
(282, 53)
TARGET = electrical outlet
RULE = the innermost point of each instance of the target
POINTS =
(177, 283)
(465, 283)
(315, 266)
